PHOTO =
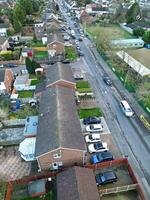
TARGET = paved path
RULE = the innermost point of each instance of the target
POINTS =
(12, 167)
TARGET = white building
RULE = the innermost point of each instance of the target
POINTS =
(128, 43)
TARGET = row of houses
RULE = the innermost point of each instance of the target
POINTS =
(59, 141)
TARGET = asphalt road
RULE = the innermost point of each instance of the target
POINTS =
(127, 137)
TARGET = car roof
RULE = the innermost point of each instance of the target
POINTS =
(109, 175)
(95, 135)
(125, 103)
(106, 154)
(96, 125)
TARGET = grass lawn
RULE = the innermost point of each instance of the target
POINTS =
(41, 54)
(142, 55)
(35, 81)
(32, 76)
(83, 86)
(112, 31)
(25, 94)
(70, 53)
(22, 113)
(89, 112)
(37, 44)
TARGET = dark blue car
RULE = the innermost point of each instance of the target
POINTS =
(106, 177)
(92, 120)
(101, 157)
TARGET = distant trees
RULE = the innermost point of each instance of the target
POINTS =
(146, 37)
(132, 13)
(138, 32)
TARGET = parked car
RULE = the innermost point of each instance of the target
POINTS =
(78, 47)
(106, 177)
(101, 157)
(98, 147)
(66, 61)
(92, 138)
(76, 42)
(78, 77)
(80, 53)
(10, 65)
(92, 120)
(107, 80)
(126, 108)
(92, 128)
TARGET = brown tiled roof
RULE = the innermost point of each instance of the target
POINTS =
(77, 183)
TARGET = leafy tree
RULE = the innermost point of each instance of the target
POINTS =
(10, 32)
(31, 65)
(34, 38)
(138, 32)
(26, 5)
(20, 13)
(132, 13)
(35, 5)
(146, 37)
(16, 24)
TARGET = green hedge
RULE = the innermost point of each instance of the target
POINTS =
(89, 112)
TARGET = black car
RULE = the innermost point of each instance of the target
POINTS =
(101, 157)
(80, 53)
(106, 177)
(107, 80)
(92, 120)
(66, 61)
(10, 65)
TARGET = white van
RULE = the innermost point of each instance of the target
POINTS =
(126, 108)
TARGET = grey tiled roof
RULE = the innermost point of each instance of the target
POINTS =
(58, 121)
(54, 37)
(77, 183)
(57, 72)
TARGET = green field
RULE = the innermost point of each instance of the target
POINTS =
(41, 54)
(110, 31)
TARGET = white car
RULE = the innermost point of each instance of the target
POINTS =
(76, 42)
(98, 147)
(94, 128)
(92, 138)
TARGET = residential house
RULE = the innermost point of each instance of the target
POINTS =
(30, 128)
(52, 27)
(77, 183)
(85, 17)
(6, 81)
(21, 82)
(60, 74)
(56, 44)
(59, 140)
(4, 44)
(27, 52)
(3, 29)
(39, 29)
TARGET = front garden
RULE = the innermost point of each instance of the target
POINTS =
(83, 87)
(70, 53)
(90, 112)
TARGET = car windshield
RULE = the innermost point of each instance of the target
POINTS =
(90, 137)
(103, 178)
(129, 110)
(91, 127)
(98, 146)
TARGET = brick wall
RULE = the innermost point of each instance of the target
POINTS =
(68, 158)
